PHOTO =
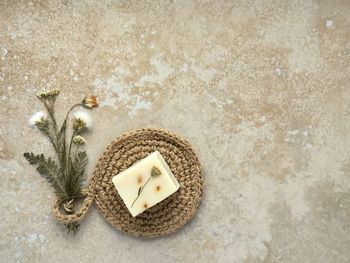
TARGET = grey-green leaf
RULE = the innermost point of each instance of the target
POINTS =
(48, 169)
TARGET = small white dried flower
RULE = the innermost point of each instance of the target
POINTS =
(37, 118)
(85, 117)
(79, 139)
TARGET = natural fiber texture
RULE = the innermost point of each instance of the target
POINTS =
(163, 218)
(66, 218)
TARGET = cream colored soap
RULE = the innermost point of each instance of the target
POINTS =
(153, 188)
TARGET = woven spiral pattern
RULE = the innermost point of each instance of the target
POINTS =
(168, 215)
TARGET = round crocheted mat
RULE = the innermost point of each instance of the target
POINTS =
(168, 215)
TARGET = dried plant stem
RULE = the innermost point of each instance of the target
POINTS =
(54, 140)
(140, 191)
(155, 172)
(71, 142)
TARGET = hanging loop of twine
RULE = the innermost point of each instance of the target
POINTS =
(69, 216)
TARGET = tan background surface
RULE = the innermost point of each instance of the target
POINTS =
(260, 88)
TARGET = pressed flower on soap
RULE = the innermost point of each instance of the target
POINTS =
(146, 183)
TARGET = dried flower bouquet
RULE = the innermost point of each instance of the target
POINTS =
(65, 172)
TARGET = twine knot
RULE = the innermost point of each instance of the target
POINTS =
(68, 206)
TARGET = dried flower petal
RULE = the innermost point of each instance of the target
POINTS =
(42, 123)
(79, 139)
(85, 117)
(90, 102)
(53, 92)
(79, 125)
(155, 172)
(36, 117)
(45, 94)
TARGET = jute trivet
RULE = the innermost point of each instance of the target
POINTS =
(165, 217)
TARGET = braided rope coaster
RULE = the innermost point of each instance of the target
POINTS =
(165, 217)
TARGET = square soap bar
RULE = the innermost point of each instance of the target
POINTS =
(146, 183)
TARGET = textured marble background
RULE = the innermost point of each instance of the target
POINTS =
(260, 88)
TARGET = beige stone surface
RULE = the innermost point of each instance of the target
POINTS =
(260, 88)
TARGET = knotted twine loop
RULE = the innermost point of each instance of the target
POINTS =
(68, 217)
(68, 206)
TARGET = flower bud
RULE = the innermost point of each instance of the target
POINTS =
(79, 125)
(42, 123)
(79, 139)
(90, 102)
(47, 94)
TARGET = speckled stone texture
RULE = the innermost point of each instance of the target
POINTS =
(260, 88)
